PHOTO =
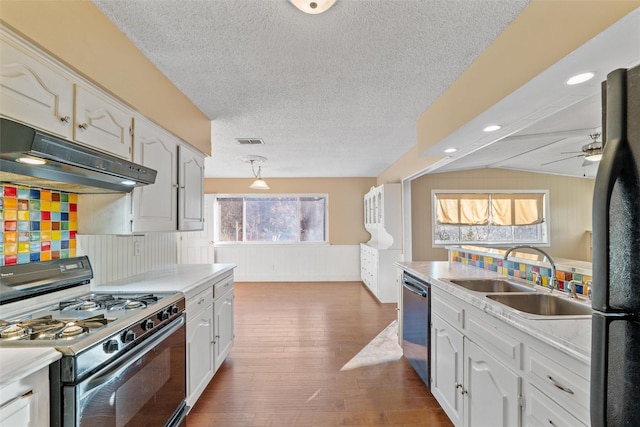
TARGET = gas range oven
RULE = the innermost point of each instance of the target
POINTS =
(123, 354)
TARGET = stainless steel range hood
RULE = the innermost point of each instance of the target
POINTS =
(66, 165)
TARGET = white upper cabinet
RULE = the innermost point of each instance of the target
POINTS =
(155, 205)
(191, 189)
(382, 216)
(33, 92)
(102, 123)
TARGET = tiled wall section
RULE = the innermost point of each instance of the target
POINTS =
(520, 270)
(37, 224)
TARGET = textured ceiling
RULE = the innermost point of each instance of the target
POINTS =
(332, 95)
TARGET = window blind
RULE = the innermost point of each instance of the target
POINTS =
(485, 208)
(462, 209)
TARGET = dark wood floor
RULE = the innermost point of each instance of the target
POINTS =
(292, 339)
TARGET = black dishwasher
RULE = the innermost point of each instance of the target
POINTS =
(416, 318)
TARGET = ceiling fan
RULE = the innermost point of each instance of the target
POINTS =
(591, 152)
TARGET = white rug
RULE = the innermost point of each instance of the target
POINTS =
(383, 348)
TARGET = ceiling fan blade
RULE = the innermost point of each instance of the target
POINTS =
(560, 160)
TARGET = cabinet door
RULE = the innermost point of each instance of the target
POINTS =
(102, 123)
(200, 363)
(33, 93)
(446, 368)
(191, 189)
(223, 327)
(491, 390)
(155, 207)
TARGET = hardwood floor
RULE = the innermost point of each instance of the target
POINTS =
(292, 340)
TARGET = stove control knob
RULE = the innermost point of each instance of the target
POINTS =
(164, 314)
(174, 309)
(110, 346)
(148, 324)
(128, 336)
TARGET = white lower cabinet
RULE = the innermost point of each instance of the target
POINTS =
(200, 332)
(485, 372)
(25, 402)
(447, 368)
(209, 334)
(223, 309)
(378, 272)
(491, 391)
(473, 388)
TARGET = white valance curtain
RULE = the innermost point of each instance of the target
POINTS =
(489, 208)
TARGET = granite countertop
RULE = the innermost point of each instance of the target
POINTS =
(18, 363)
(189, 279)
(572, 336)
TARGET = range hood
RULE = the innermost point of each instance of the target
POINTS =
(65, 165)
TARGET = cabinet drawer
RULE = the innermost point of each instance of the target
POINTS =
(480, 329)
(449, 311)
(222, 287)
(557, 381)
(544, 412)
(199, 302)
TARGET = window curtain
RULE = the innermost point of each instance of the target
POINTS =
(462, 209)
(517, 209)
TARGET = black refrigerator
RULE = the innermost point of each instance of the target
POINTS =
(615, 346)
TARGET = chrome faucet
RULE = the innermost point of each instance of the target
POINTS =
(572, 287)
(553, 281)
(589, 284)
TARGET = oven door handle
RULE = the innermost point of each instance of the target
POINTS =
(102, 377)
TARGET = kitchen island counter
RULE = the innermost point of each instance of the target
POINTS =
(570, 335)
(189, 279)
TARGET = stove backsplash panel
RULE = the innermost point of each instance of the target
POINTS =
(37, 224)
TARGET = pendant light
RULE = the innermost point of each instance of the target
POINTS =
(259, 183)
(313, 6)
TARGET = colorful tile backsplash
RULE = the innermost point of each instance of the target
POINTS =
(37, 224)
(521, 270)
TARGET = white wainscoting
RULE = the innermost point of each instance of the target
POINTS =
(114, 257)
(292, 263)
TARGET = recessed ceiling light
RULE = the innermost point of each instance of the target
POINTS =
(580, 78)
(492, 128)
(450, 150)
(31, 161)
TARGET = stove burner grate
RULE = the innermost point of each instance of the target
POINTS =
(107, 302)
(49, 328)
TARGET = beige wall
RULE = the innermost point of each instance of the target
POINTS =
(570, 207)
(346, 224)
(79, 35)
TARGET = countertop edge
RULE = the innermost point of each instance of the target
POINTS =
(186, 278)
(18, 363)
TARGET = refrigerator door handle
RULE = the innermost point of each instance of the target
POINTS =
(615, 156)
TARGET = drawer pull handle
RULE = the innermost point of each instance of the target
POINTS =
(551, 423)
(560, 386)
(83, 126)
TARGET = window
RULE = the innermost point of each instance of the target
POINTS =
(262, 219)
(496, 217)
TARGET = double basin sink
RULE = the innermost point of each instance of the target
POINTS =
(524, 298)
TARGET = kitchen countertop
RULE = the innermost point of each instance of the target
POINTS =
(572, 336)
(18, 363)
(186, 278)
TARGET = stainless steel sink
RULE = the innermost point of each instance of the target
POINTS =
(491, 285)
(543, 304)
